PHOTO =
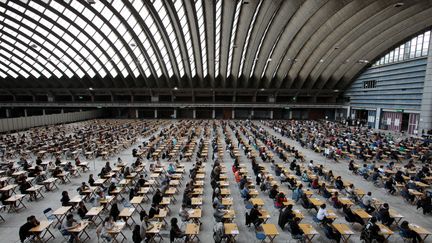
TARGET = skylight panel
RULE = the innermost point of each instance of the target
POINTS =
(46, 23)
(102, 73)
(251, 26)
(46, 73)
(20, 46)
(29, 23)
(53, 38)
(218, 35)
(58, 73)
(91, 73)
(125, 73)
(35, 74)
(106, 13)
(2, 74)
(56, 6)
(12, 74)
(73, 30)
(62, 22)
(80, 73)
(11, 23)
(32, 15)
(77, 5)
(136, 72)
(68, 73)
(69, 14)
(115, 21)
(233, 36)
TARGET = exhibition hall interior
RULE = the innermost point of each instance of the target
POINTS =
(215, 121)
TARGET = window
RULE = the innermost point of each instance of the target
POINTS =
(370, 84)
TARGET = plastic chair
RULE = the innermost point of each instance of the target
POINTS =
(260, 236)
(49, 214)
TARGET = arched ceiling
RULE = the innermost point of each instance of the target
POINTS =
(315, 46)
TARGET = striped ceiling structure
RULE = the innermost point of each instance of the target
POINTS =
(301, 45)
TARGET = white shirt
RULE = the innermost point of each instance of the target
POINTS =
(322, 213)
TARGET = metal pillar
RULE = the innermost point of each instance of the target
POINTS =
(425, 123)
(377, 117)
(155, 114)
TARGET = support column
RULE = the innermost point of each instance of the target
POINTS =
(136, 113)
(175, 114)
(290, 114)
(194, 113)
(62, 111)
(25, 112)
(252, 114)
(377, 117)
(7, 113)
(232, 114)
(43, 112)
(271, 114)
(155, 114)
(214, 114)
(425, 123)
(348, 112)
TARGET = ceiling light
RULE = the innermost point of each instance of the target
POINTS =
(321, 60)
(132, 44)
(399, 4)
(33, 46)
(336, 90)
(262, 89)
(269, 60)
(175, 88)
(363, 61)
(91, 1)
(90, 88)
(336, 47)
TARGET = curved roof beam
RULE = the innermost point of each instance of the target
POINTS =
(288, 9)
(175, 22)
(199, 27)
(311, 32)
(210, 18)
(368, 31)
(303, 13)
(263, 22)
(168, 45)
(374, 16)
(227, 20)
(324, 41)
(245, 19)
(380, 43)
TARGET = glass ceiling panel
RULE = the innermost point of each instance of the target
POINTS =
(218, 35)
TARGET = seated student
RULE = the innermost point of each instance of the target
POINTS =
(407, 232)
(315, 183)
(399, 177)
(296, 232)
(175, 231)
(406, 194)
(373, 231)
(65, 200)
(285, 216)
(351, 217)
(323, 215)
(141, 181)
(351, 167)
(297, 193)
(389, 185)
(375, 176)
(331, 233)
(82, 188)
(91, 180)
(279, 200)
(335, 200)
(136, 234)
(245, 193)
(324, 191)
(82, 210)
(273, 192)
(364, 171)
(57, 171)
(306, 204)
(305, 177)
(171, 169)
(243, 182)
(112, 187)
(106, 226)
(384, 215)
(351, 192)
(157, 197)
(154, 210)
(339, 183)
(114, 212)
(68, 224)
(24, 230)
(254, 216)
(367, 203)
(425, 203)
(218, 213)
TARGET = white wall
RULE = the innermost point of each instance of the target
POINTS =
(21, 123)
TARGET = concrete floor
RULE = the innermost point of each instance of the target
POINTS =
(9, 229)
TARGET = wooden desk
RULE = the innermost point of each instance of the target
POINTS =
(154, 231)
(60, 214)
(231, 231)
(257, 201)
(344, 230)
(192, 230)
(15, 201)
(385, 231)
(43, 227)
(79, 231)
(362, 214)
(34, 191)
(196, 201)
(136, 202)
(117, 230)
(195, 215)
(50, 184)
(94, 214)
(270, 231)
(227, 202)
(397, 216)
(424, 233)
(126, 214)
(309, 231)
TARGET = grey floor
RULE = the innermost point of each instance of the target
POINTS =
(9, 229)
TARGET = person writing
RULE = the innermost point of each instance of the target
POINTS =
(24, 230)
